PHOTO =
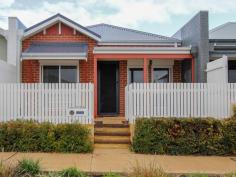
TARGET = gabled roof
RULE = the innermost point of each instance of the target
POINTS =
(60, 18)
(111, 33)
(226, 31)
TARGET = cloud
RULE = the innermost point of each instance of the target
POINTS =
(6, 3)
(129, 13)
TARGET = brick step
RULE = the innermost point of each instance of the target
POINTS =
(111, 130)
(112, 139)
(112, 146)
(111, 125)
(101, 133)
(111, 120)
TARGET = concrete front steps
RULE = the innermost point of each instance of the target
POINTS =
(111, 132)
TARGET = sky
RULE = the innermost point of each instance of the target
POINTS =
(163, 17)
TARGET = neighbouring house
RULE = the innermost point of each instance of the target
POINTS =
(59, 50)
(195, 34)
(10, 50)
(222, 41)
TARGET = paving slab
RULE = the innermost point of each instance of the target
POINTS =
(122, 160)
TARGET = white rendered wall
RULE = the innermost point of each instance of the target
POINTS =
(217, 71)
(7, 72)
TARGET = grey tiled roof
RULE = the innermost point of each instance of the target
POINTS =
(111, 33)
(53, 47)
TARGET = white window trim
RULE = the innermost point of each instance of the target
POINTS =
(170, 68)
(59, 64)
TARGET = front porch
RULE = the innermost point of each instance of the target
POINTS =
(113, 72)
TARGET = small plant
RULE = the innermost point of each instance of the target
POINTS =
(110, 174)
(7, 170)
(72, 172)
(28, 167)
(150, 170)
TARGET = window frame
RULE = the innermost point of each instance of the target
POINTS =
(163, 68)
(131, 76)
(59, 67)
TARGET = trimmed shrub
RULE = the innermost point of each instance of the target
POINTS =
(30, 136)
(183, 136)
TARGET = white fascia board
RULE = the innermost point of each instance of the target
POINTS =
(54, 21)
(43, 56)
(52, 58)
(142, 50)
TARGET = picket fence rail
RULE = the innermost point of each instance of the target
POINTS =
(46, 102)
(179, 100)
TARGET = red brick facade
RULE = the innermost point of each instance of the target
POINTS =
(52, 35)
(30, 71)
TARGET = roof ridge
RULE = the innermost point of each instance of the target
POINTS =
(132, 30)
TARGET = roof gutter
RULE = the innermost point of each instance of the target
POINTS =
(56, 56)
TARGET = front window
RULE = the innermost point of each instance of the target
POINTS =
(59, 74)
(232, 71)
(161, 75)
(136, 75)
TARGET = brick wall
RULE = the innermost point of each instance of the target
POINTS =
(123, 83)
(177, 71)
(85, 67)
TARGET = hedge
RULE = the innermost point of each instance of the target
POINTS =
(185, 136)
(30, 136)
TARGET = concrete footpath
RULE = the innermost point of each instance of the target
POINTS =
(122, 160)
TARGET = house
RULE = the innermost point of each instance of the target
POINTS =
(59, 50)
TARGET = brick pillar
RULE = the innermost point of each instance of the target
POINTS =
(123, 83)
(150, 71)
(145, 70)
(30, 71)
(177, 71)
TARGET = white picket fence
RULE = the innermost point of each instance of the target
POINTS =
(179, 100)
(46, 102)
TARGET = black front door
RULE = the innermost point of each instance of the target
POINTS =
(108, 87)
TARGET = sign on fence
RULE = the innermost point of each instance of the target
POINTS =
(179, 100)
(46, 102)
